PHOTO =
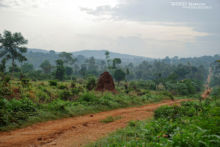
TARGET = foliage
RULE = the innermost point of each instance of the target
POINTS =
(60, 70)
(191, 124)
(53, 83)
(12, 47)
(46, 66)
(55, 100)
(119, 75)
(25, 68)
(66, 95)
(91, 84)
(3, 65)
(16, 111)
(69, 71)
(116, 61)
(25, 82)
(67, 57)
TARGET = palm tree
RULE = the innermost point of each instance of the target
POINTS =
(11, 47)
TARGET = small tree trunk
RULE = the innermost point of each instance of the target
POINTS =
(13, 65)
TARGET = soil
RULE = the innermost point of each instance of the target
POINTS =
(208, 90)
(105, 83)
(77, 131)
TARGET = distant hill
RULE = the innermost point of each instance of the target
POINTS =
(37, 56)
(38, 50)
(100, 54)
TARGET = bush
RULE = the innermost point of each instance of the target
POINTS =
(6, 79)
(75, 91)
(91, 84)
(88, 97)
(42, 96)
(169, 94)
(73, 84)
(16, 111)
(66, 95)
(175, 112)
(53, 83)
(63, 87)
(25, 82)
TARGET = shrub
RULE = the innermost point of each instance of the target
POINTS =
(88, 97)
(53, 83)
(169, 94)
(75, 91)
(170, 112)
(91, 84)
(66, 95)
(25, 82)
(6, 79)
(62, 87)
(42, 96)
(16, 111)
(73, 84)
(175, 112)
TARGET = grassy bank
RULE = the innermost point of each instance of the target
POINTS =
(191, 124)
(16, 113)
(24, 102)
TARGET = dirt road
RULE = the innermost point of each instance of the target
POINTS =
(76, 131)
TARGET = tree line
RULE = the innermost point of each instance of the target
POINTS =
(66, 67)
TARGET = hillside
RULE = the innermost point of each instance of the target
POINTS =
(37, 56)
(100, 54)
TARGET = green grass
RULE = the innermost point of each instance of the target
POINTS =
(110, 119)
(191, 124)
(16, 113)
(41, 101)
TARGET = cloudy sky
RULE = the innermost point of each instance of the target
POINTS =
(151, 28)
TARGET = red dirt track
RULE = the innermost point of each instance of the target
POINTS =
(77, 131)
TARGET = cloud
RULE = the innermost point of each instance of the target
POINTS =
(22, 3)
(201, 16)
(159, 10)
(2, 4)
(165, 11)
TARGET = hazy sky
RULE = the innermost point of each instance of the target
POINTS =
(151, 28)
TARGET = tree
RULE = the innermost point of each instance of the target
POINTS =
(60, 71)
(83, 70)
(116, 61)
(3, 66)
(69, 71)
(107, 57)
(119, 75)
(46, 66)
(11, 47)
(27, 68)
(52, 52)
(67, 58)
(92, 68)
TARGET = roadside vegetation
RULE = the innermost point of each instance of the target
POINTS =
(193, 123)
(46, 100)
